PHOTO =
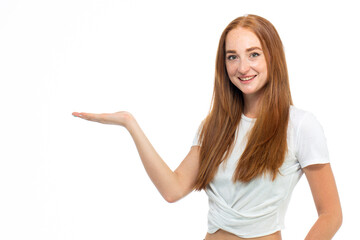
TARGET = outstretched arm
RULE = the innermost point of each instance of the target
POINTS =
(326, 198)
(172, 185)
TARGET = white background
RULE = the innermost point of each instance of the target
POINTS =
(62, 177)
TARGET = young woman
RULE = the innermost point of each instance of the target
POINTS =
(252, 148)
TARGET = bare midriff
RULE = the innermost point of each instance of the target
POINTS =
(223, 235)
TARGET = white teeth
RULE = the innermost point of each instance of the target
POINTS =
(246, 79)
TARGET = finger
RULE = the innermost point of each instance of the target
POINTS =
(86, 116)
(76, 114)
(91, 116)
(80, 114)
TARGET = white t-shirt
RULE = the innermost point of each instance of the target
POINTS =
(257, 208)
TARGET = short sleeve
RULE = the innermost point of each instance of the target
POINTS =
(196, 137)
(311, 147)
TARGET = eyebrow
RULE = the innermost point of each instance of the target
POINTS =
(247, 50)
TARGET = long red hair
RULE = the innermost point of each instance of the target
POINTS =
(267, 143)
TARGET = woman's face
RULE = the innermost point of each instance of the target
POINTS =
(245, 62)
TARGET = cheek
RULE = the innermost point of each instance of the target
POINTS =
(264, 70)
(230, 69)
(264, 67)
(259, 65)
(265, 73)
(256, 66)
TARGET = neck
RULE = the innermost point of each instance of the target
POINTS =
(252, 105)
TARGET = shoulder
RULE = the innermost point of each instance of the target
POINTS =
(308, 136)
(300, 119)
(297, 115)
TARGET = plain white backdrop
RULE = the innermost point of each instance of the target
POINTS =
(66, 178)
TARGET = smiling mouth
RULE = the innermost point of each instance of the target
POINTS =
(247, 78)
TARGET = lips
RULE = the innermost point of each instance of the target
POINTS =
(247, 78)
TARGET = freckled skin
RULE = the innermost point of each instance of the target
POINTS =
(242, 62)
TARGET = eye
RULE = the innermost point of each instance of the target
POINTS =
(254, 54)
(231, 57)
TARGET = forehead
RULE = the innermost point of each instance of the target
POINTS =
(241, 39)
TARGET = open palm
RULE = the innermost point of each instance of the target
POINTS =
(117, 118)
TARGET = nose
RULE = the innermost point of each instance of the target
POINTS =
(243, 67)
